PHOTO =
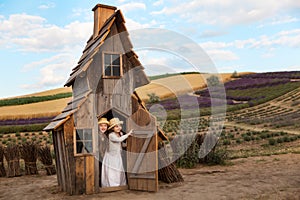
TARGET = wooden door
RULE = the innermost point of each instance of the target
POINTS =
(142, 162)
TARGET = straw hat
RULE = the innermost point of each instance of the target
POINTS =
(103, 120)
(113, 122)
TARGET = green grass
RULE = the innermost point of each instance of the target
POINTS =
(33, 99)
(22, 128)
(169, 75)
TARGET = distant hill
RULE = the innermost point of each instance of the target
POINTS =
(241, 93)
(162, 87)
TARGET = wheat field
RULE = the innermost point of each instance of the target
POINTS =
(163, 88)
(34, 110)
(177, 85)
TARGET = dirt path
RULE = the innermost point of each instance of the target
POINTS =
(270, 177)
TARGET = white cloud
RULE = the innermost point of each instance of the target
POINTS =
(211, 33)
(132, 6)
(46, 6)
(280, 20)
(222, 55)
(288, 38)
(215, 45)
(227, 12)
(52, 71)
(32, 34)
(85, 14)
(132, 24)
(158, 3)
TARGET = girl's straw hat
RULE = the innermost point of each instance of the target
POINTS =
(103, 120)
(113, 122)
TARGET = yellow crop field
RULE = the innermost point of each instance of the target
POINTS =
(164, 88)
(46, 93)
(177, 85)
(41, 109)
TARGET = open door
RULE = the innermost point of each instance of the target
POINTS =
(142, 155)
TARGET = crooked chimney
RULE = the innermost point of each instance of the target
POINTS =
(101, 14)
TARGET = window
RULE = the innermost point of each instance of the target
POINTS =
(84, 141)
(112, 65)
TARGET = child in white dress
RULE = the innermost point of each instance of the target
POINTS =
(113, 173)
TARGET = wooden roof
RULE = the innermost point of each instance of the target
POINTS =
(93, 46)
(69, 110)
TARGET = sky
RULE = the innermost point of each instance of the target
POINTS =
(42, 40)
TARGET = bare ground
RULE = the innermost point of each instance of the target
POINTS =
(268, 177)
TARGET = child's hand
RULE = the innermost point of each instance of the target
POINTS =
(130, 132)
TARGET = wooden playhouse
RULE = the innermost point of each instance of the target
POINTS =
(103, 85)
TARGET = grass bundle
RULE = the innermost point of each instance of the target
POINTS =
(167, 171)
(46, 158)
(29, 152)
(2, 169)
(12, 156)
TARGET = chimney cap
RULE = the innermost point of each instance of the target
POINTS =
(104, 6)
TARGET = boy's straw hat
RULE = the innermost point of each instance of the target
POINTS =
(113, 122)
(103, 120)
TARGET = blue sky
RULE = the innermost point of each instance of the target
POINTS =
(41, 41)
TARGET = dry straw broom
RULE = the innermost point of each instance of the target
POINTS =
(12, 156)
(2, 169)
(46, 158)
(29, 152)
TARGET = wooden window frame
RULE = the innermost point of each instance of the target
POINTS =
(85, 153)
(103, 64)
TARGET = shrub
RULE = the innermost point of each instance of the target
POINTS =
(217, 156)
(238, 141)
(272, 141)
(247, 138)
(18, 134)
(286, 139)
(153, 98)
(226, 142)
(279, 140)
(188, 148)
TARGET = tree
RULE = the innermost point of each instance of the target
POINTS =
(234, 75)
(213, 81)
(153, 98)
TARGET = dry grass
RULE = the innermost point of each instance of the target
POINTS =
(46, 93)
(177, 85)
(164, 88)
(41, 109)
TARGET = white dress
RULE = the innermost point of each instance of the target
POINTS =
(112, 167)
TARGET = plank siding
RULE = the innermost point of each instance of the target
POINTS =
(70, 164)
(89, 171)
(57, 160)
(80, 175)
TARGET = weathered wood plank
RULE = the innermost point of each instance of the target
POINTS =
(89, 171)
(57, 160)
(80, 176)
(60, 144)
(69, 132)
